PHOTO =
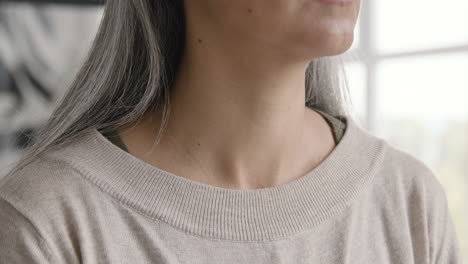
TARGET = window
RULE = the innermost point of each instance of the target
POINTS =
(408, 77)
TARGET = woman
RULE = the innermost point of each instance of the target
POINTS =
(250, 168)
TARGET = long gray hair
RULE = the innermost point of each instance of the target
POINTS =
(129, 71)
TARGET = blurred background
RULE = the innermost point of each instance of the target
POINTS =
(407, 73)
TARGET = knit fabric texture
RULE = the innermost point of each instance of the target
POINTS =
(91, 202)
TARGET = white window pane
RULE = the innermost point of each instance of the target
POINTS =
(420, 24)
(423, 110)
(356, 78)
(430, 87)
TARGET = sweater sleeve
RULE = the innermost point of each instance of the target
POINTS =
(443, 241)
(20, 242)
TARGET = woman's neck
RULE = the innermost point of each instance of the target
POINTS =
(235, 121)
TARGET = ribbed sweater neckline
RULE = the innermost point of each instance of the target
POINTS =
(230, 214)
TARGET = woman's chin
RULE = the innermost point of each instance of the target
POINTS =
(329, 46)
(338, 48)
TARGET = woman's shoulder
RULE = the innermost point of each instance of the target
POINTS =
(404, 170)
(403, 179)
(44, 189)
(36, 205)
(411, 198)
(50, 177)
(388, 164)
(40, 180)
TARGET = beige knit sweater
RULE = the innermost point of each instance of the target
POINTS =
(91, 202)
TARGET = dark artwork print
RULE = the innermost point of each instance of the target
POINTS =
(42, 44)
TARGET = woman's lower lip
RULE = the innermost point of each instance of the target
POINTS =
(335, 1)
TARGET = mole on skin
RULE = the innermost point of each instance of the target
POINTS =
(199, 41)
(249, 10)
